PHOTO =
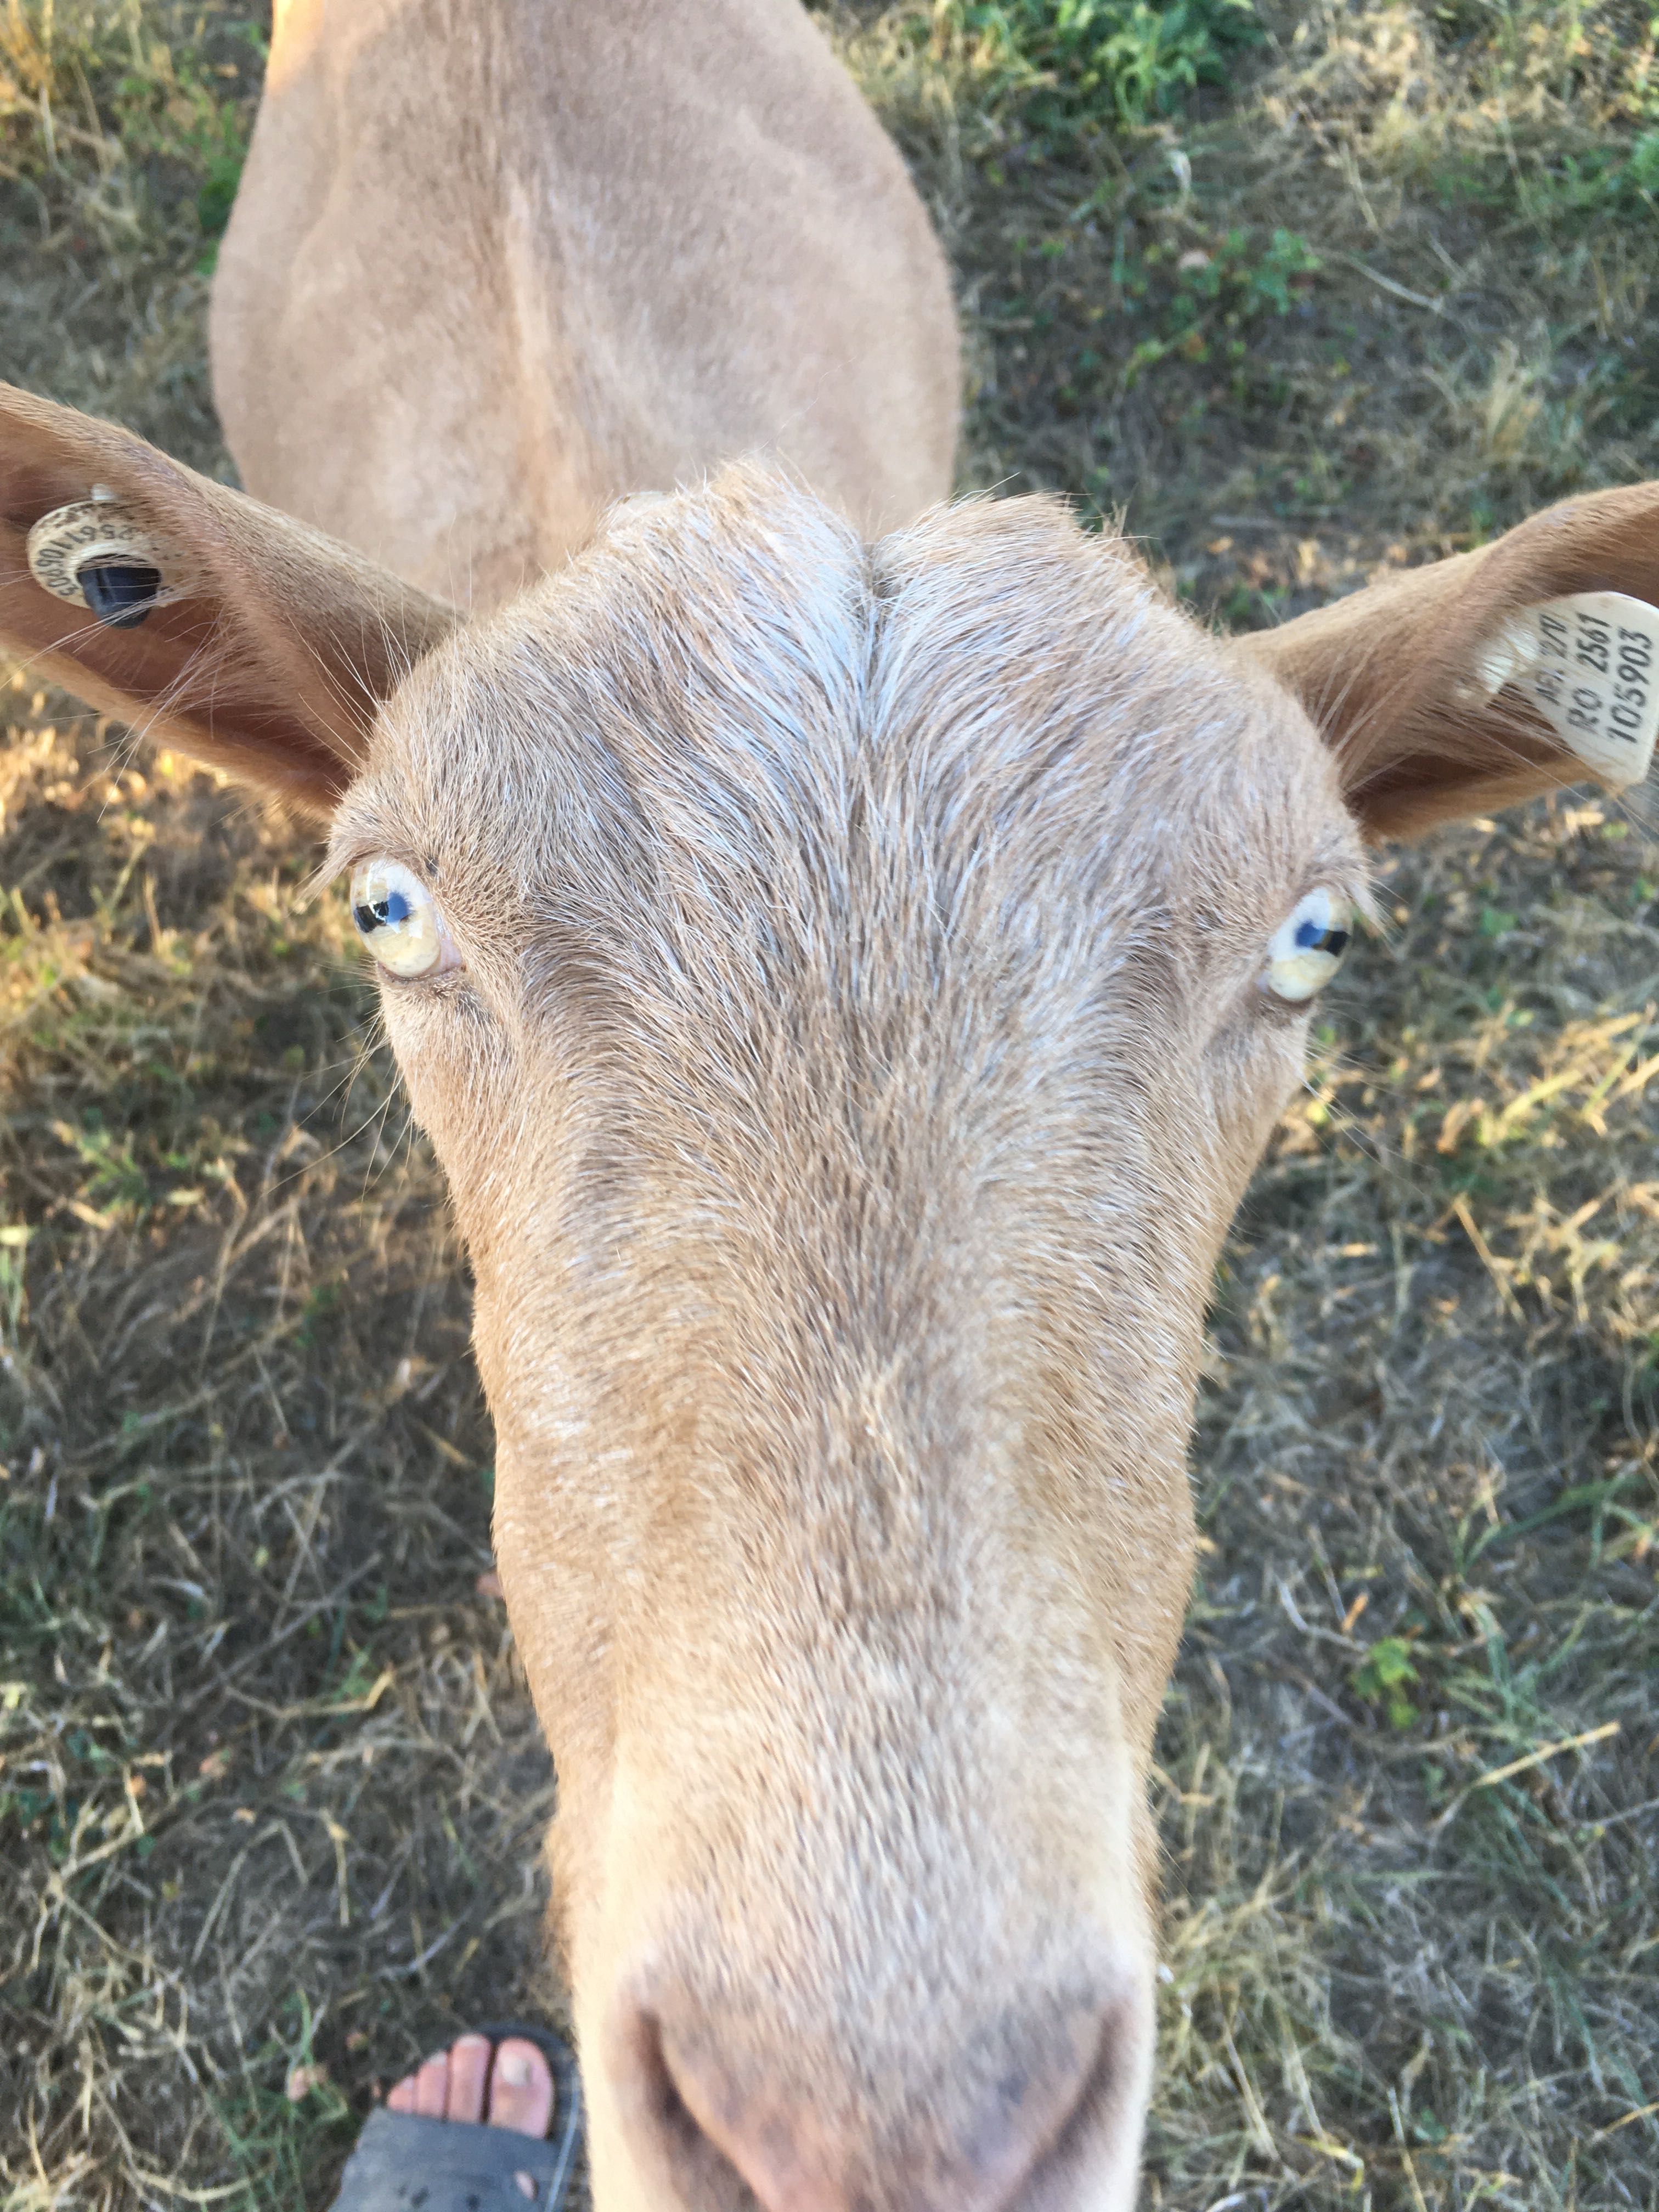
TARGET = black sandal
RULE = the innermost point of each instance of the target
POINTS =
(405, 2164)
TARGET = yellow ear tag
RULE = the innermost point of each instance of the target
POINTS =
(96, 553)
(1590, 665)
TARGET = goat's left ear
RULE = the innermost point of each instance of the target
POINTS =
(195, 614)
(1493, 676)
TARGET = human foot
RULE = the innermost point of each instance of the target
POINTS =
(469, 2131)
(515, 2093)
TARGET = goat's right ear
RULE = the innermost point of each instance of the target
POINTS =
(192, 612)
(1451, 689)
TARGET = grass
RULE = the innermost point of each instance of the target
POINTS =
(272, 1790)
(1394, 280)
(1411, 1748)
(1363, 284)
(123, 126)
(1065, 65)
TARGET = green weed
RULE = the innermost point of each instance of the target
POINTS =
(1069, 63)
(283, 2120)
(1207, 296)
(1382, 1677)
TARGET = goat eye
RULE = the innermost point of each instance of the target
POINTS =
(397, 918)
(1308, 948)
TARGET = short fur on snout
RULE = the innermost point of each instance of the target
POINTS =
(859, 1052)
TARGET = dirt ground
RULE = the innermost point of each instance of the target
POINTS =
(271, 1792)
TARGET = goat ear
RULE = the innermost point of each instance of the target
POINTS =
(191, 611)
(1493, 676)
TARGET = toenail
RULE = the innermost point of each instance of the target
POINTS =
(514, 2069)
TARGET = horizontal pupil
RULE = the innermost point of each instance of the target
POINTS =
(381, 913)
(1311, 937)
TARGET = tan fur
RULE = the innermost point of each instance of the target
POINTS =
(274, 668)
(853, 1080)
(493, 264)
(1386, 672)
(857, 1052)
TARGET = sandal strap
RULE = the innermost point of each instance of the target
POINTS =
(406, 2164)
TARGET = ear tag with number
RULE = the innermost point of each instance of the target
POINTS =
(1591, 667)
(97, 554)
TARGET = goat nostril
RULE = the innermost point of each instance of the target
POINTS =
(673, 2116)
(1057, 2105)
(724, 2144)
(698, 2166)
(1095, 2099)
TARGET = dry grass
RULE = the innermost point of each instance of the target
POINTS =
(1426, 1466)
(270, 1786)
(1390, 295)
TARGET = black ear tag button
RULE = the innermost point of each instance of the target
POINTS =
(121, 593)
(97, 554)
